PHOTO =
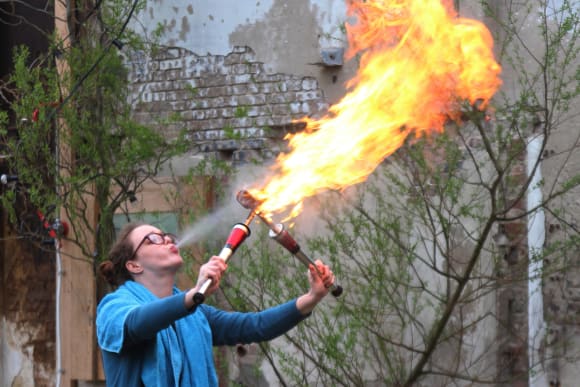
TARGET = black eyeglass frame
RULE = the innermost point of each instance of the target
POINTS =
(171, 236)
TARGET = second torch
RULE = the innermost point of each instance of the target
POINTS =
(280, 235)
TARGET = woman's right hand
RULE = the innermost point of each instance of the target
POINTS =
(214, 268)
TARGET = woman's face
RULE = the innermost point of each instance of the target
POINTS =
(154, 253)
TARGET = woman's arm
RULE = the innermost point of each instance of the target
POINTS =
(230, 328)
(144, 321)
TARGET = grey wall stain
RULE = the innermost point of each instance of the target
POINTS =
(171, 25)
(185, 28)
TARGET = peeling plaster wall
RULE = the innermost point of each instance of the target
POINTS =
(561, 289)
(27, 322)
(17, 360)
(287, 36)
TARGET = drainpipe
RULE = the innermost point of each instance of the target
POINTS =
(536, 238)
(57, 307)
(63, 33)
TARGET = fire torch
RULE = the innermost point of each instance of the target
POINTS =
(281, 235)
(241, 231)
(237, 236)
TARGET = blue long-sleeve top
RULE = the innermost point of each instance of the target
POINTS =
(147, 341)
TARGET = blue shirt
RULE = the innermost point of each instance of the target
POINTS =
(147, 341)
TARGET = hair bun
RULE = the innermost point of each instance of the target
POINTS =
(107, 270)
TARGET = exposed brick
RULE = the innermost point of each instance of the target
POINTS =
(256, 68)
(170, 64)
(267, 87)
(243, 78)
(280, 109)
(309, 95)
(309, 84)
(209, 91)
(233, 58)
(241, 68)
(227, 144)
(216, 80)
(245, 156)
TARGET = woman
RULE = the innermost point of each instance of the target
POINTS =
(150, 333)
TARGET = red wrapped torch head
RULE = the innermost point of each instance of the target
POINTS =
(237, 236)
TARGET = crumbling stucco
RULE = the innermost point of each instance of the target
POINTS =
(18, 367)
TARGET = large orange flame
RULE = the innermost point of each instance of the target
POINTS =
(418, 62)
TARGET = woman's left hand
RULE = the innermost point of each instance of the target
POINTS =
(320, 280)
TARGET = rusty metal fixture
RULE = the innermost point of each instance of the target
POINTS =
(247, 201)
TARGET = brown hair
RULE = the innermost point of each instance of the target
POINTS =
(113, 269)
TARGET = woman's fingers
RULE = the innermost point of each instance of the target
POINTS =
(213, 269)
(322, 273)
(327, 276)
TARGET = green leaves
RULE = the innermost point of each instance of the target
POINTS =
(76, 137)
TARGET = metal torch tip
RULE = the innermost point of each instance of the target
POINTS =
(246, 199)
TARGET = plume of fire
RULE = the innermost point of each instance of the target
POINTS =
(419, 62)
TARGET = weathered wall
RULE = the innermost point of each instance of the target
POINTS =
(512, 297)
(560, 161)
(561, 288)
(239, 75)
(27, 314)
(287, 37)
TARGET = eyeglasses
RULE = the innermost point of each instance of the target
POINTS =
(156, 238)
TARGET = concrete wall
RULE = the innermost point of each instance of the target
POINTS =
(561, 286)
(266, 60)
(558, 350)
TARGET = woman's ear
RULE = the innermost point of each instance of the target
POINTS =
(134, 267)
